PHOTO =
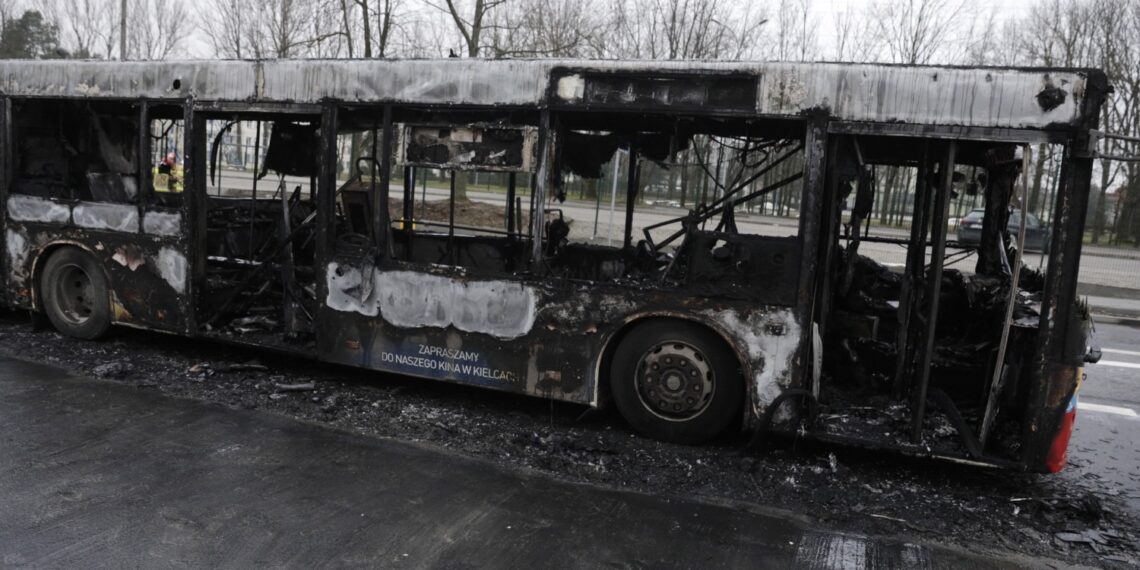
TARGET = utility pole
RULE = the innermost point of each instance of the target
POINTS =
(123, 30)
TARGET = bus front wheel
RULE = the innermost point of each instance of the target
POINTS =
(75, 295)
(676, 381)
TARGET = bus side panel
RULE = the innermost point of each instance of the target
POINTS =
(453, 355)
(550, 348)
(499, 334)
(148, 275)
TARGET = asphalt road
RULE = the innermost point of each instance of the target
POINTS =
(103, 475)
(1104, 443)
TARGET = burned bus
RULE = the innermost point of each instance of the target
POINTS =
(286, 205)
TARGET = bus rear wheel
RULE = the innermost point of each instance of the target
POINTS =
(675, 381)
(75, 294)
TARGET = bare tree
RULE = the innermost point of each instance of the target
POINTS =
(794, 31)
(156, 28)
(324, 30)
(471, 27)
(225, 24)
(387, 15)
(547, 28)
(347, 11)
(682, 29)
(1119, 22)
(87, 27)
(359, 29)
(7, 9)
(854, 36)
(917, 31)
(1061, 33)
(283, 30)
(293, 28)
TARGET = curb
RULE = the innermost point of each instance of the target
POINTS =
(1132, 319)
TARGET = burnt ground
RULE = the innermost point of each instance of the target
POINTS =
(838, 488)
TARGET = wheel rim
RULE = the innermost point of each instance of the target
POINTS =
(75, 295)
(675, 381)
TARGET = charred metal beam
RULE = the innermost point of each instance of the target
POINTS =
(864, 194)
(830, 222)
(543, 179)
(253, 188)
(910, 293)
(326, 200)
(288, 275)
(631, 189)
(451, 221)
(1058, 358)
(380, 213)
(934, 283)
(214, 149)
(145, 188)
(962, 133)
(1056, 370)
(512, 182)
(6, 151)
(811, 202)
(409, 211)
(194, 206)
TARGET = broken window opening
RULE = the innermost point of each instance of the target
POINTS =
(359, 172)
(166, 150)
(466, 194)
(77, 150)
(679, 201)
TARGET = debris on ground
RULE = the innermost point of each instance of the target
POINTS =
(252, 365)
(298, 387)
(1095, 539)
(115, 370)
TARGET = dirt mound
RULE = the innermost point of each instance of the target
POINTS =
(467, 212)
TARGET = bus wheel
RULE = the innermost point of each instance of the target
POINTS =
(676, 382)
(75, 295)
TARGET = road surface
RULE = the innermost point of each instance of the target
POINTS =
(1104, 444)
(101, 475)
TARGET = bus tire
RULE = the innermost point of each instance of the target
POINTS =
(75, 294)
(676, 381)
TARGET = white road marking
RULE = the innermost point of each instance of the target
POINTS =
(1127, 412)
(1119, 351)
(1118, 364)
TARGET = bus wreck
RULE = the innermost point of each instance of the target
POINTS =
(694, 322)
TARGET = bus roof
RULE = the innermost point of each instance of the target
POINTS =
(1020, 98)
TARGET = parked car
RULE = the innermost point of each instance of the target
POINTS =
(1036, 233)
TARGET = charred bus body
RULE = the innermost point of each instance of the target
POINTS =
(689, 327)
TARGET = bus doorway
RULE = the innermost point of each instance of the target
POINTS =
(931, 342)
(258, 228)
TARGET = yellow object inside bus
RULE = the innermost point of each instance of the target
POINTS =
(168, 181)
